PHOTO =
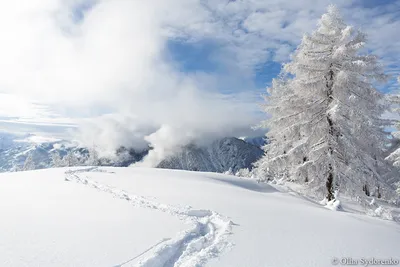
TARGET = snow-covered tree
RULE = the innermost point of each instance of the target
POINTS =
(56, 160)
(93, 157)
(325, 128)
(70, 160)
(29, 164)
(394, 157)
(245, 172)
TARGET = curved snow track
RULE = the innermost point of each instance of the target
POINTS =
(207, 237)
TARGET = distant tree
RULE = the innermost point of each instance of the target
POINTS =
(394, 156)
(29, 164)
(394, 101)
(56, 160)
(245, 172)
(16, 168)
(93, 157)
(70, 160)
(326, 126)
(228, 172)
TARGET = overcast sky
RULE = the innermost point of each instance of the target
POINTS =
(193, 64)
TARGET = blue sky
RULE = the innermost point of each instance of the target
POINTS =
(172, 62)
(198, 56)
(194, 57)
(79, 10)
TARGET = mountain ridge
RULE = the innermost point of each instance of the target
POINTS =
(228, 154)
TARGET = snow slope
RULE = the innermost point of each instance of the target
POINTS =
(155, 217)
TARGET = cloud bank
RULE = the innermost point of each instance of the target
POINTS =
(89, 58)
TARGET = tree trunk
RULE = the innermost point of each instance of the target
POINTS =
(329, 92)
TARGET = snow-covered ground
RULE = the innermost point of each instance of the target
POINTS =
(154, 217)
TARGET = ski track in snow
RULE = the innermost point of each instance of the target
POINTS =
(207, 237)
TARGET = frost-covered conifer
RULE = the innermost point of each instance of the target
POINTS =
(29, 164)
(93, 157)
(394, 157)
(56, 160)
(325, 128)
(71, 160)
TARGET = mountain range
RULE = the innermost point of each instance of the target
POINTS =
(228, 154)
